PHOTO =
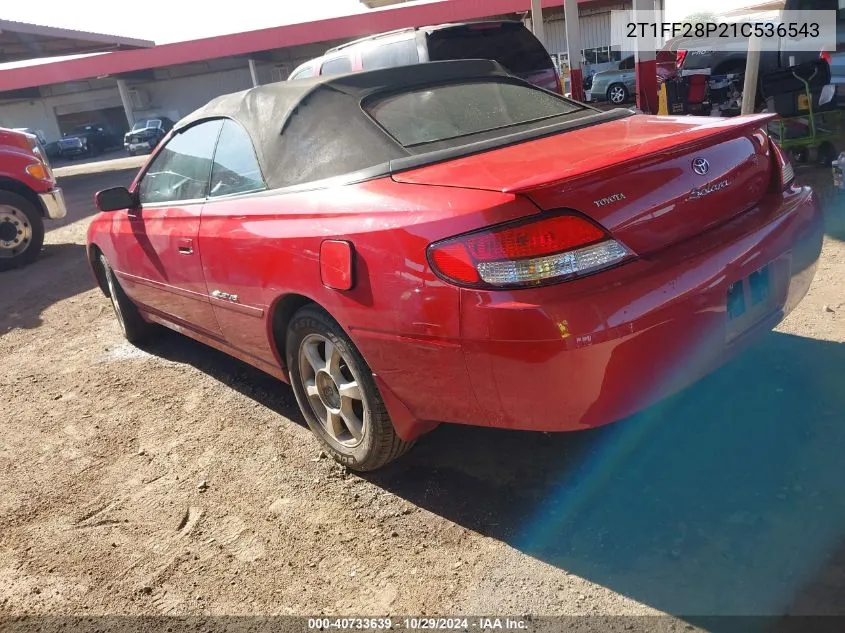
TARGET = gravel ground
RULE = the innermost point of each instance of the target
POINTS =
(173, 480)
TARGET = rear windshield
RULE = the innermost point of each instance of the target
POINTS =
(509, 43)
(453, 111)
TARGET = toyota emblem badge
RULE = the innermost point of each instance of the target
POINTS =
(700, 166)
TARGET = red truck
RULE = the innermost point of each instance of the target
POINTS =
(28, 195)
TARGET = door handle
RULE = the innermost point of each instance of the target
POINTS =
(186, 247)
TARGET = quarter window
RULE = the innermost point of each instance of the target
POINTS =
(182, 169)
(303, 73)
(390, 55)
(337, 66)
(235, 168)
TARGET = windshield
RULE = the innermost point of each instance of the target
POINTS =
(509, 43)
(457, 110)
(146, 123)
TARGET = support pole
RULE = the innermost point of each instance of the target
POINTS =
(645, 65)
(125, 99)
(253, 72)
(537, 21)
(752, 69)
(573, 48)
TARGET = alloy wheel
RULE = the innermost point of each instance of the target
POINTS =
(617, 94)
(15, 232)
(332, 390)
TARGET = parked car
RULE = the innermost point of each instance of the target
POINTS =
(146, 134)
(90, 139)
(614, 86)
(447, 242)
(506, 41)
(28, 196)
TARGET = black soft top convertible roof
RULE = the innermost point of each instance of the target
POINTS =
(315, 129)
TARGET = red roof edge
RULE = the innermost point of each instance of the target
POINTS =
(245, 43)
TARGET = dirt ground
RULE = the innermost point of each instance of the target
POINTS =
(173, 480)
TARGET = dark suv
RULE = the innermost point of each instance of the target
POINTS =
(90, 139)
(506, 41)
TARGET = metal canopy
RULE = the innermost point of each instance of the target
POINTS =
(20, 41)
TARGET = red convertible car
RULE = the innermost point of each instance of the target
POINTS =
(448, 243)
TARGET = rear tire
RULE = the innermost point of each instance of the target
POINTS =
(21, 231)
(131, 323)
(337, 395)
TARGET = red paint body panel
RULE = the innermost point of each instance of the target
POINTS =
(647, 159)
(591, 351)
(157, 260)
(561, 357)
(15, 156)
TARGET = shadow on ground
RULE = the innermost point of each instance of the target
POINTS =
(725, 499)
(60, 272)
(246, 379)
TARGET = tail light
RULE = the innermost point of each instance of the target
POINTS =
(526, 253)
(784, 174)
(680, 56)
(825, 56)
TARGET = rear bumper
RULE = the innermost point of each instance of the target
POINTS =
(53, 202)
(635, 335)
(587, 353)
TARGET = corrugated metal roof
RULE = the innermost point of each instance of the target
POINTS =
(21, 41)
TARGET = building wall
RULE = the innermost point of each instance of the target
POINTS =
(180, 96)
(34, 114)
(594, 23)
(41, 113)
(174, 97)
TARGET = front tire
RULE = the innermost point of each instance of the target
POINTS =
(617, 94)
(132, 324)
(21, 231)
(336, 393)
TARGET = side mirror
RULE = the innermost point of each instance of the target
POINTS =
(115, 199)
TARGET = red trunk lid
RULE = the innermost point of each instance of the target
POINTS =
(651, 181)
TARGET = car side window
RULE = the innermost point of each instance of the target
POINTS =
(235, 168)
(181, 170)
(308, 71)
(337, 66)
(390, 55)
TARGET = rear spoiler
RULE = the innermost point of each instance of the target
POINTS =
(654, 149)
